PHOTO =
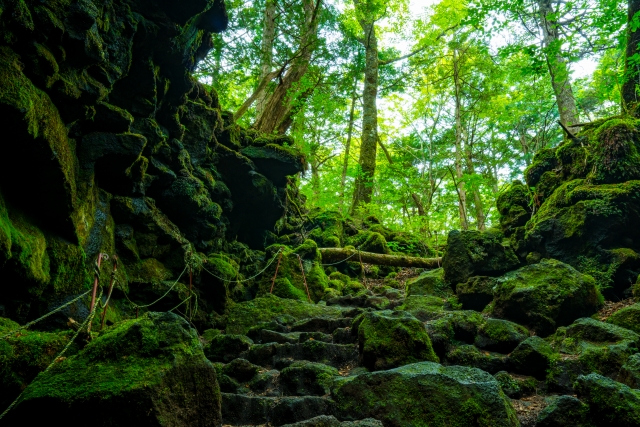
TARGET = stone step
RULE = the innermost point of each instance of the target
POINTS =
(331, 421)
(240, 409)
(321, 324)
(267, 336)
(276, 355)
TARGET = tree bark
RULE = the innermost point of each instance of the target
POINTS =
(632, 63)
(462, 195)
(278, 108)
(364, 180)
(331, 255)
(266, 52)
(347, 148)
(557, 65)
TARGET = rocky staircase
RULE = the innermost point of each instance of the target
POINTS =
(283, 379)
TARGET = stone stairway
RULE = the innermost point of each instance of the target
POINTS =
(284, 378)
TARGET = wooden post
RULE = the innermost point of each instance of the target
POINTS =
(113, 280)
(304, 278)
(273, 281)
(95, 287)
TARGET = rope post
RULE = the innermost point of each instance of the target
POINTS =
(364, 277)
(113, 281)
(273, 281)
(95, 286)
(190, 309)
(304, 278)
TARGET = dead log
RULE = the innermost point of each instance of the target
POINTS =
(335, 255)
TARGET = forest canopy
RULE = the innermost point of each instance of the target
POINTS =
(419, 112)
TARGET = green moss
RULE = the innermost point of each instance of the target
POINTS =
(308, 378)
(70, 272)
(610, 403)
(149, 271)
(544, 296)
(545, 160)
(242, 316)
(430, 282)
(328, 228)
(369, 241)
(425, 395)
(628, 317)
(533, 356)
(423, 307)
(514, 206)
(388, 339)
(615, 151)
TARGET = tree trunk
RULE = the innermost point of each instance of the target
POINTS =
(631, 66)
(557, 65)
(266, 51)
(462, 195)
(347, 148)
(278, 108)
(369, 140)
(336, 255)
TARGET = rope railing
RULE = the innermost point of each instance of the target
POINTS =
(84, 325)
(250, 278)
(137, 306)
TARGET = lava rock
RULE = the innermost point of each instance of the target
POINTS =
(476, 293)
(500, 335)
(533, 356)
(610, 403)
(628, 317)
(630, 372)
(411, 394)
(241, 369)
(545, 296)
(564, 411)
(307, 378)
(387, 339)
(225, 348)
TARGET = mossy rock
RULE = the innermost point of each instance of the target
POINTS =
(516, 387)
(628, 317)
(610, 403)
(329, 228)
(545, 296)
(533, 356)
(500, 336)
(564, 411)
(307, 379)
(471, 356)
(241, 317)
(387, 339)
(514, 207)
(369, 241)
(240, 369)
(544, 161)
(454, 328)
(615, 151)
(290, 280)
(423, 307)
(155, 362)
(471, 253)
(630, 372)
(226, 347)
(476, 293)
(430, 282)
(425, 394)
(591, 346)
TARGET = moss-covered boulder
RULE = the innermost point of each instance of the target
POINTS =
(587, 346)
(240, 369)
(241, 317)
(630, 372)
(387, 339)
(155, 362)
(610, 403)
(226, 347)
(454, 328)
(423, 307)
(476, 293)
(307, 378)
(471, 253)
(295, 268)
(628, 317)
(369, 241)
(516, 386)
(425, 394)
(533, 356)
(327, 228)
(545, 296)
(471, 356)
(564, 411)
(514, 206)
(500, 335)
(430, 282)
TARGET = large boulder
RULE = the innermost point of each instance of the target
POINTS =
(430, 282)
(471, 253)
(426, 394)
(610, 403)
(564, 411)
(145, 372)
(533, 356)
(545, 296)
(628, 317)
(387, 339)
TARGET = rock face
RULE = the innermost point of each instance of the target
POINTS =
(471, 253)
(388, 339)
(545, 296)
(134, 156)
(148, 372)
(425, 394)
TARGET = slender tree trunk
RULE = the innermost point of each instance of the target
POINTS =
(347, 148)
(462, 196)
(477, 198)
(558, 68)
(266, 51)
(631, 67)
(278, 108)
(369, 140)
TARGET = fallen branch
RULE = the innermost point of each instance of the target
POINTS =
(339, 254)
